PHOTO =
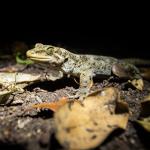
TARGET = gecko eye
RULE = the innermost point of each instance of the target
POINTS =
(50, 47)
(50, 50)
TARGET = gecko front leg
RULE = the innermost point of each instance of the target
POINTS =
(86, 82)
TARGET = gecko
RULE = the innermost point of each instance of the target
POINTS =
(83, 66)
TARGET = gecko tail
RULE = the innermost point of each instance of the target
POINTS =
(137, 61)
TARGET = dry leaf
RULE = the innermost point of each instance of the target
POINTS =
(88, 125)
(147, 97)
(17, 77)
(8, 69)
(54, 106)
(145, 123)
(4, 95)
(137, 83)
(145, 112)
(145, 104)
(120, 71)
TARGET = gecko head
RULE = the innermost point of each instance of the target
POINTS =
(47, 53)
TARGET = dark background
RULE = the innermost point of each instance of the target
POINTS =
(93, 40)
(117, 33)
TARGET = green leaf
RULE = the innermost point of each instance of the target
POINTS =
(19, 60)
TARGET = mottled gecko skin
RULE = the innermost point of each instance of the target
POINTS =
(83, 66)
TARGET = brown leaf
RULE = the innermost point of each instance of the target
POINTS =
(88, 125)
(120, 71)
(145, 123)
(137, 83)
(145, 73)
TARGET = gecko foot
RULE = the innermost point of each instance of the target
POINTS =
(73, 97)
(80, 94)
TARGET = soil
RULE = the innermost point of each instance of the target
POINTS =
(22, 127)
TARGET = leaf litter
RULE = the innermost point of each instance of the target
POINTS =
(19, 126)
(88, 125)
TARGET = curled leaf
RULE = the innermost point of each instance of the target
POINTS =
(88, 125)
(137, 83)
(120, 71)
